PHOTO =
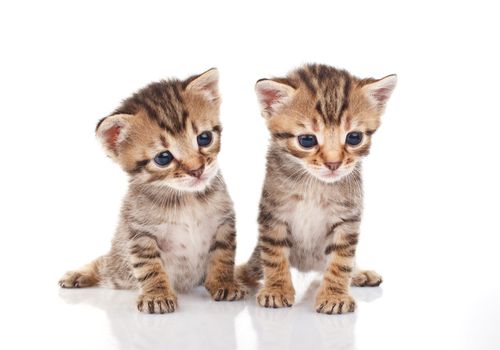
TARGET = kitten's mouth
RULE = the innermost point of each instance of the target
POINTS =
(329, 176)
(194, 184)
(197, 184)
(202, 180)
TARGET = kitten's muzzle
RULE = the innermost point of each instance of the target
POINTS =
(196, 172)
(333, 165)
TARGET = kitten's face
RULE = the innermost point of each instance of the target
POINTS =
(323, 118)
(168, 134)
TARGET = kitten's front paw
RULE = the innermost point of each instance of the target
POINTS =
(335, 304)
(276, 297)
(77, 279)
(366, 279)
(157, 303)
(228, 291)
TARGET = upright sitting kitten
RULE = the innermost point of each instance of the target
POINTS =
(177, 224)
(321, 120)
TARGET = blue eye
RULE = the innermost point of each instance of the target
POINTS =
(307, 141)
(204, 139)
(163, 158)
(354, 138)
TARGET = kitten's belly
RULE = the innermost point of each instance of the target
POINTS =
(184, 251)
(308, 224)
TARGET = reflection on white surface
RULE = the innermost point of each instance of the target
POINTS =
(198, 323)
(202, 323)
(407, 315)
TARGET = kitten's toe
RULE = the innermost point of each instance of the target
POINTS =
(275, 297)
(77, 279)
(366, 278)
(335, 304)
(227, 291)
(157, 303)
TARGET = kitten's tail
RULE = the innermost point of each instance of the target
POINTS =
(250, 273)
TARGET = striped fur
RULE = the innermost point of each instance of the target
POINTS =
(309, 214)
(176, 229)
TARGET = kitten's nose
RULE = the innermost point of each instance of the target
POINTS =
(333, 165)
(197, 172)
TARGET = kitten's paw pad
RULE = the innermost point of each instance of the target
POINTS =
(366, 279)
(157, 303)
(335, 304)
(75, 279)
(272, 297)
(227, 291)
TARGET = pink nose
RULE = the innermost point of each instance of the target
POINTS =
(333, 165)
(197, 172)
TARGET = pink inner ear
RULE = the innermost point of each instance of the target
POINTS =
(269, 97)
(382, 94)
(210, 86)
(111, 136)
(211, 89)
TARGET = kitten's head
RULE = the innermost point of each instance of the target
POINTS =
(323, 118)
(168, 133)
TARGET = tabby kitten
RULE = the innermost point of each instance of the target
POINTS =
(321, 120)
(177, 224)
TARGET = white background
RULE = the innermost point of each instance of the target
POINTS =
(432, 194)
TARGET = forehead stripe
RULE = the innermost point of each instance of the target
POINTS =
(319, 109)
(305, 78)
(345, 101)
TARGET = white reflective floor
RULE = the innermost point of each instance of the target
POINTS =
(202, 323)
(387, 317)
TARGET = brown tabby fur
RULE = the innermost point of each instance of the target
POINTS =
(310, 216)
(177, 224)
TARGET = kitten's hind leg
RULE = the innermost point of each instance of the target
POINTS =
(250, 273)
(86, 276)
(365, 278)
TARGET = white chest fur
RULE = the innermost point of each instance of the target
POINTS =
(309, 220)
(184, 239)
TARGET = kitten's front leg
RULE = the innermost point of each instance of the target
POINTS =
(156, 295)
(220, 281)
(333, 296)
(274, 247)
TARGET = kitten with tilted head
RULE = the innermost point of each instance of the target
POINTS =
(177, 224)
(321, 121)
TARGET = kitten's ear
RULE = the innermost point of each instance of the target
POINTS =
(272, 96)
(112, 131)
(205, 84)
(379, 91)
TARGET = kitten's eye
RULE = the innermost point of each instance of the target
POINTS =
(307, 141)
(204, 139)
(354, 138)
(164, 158)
